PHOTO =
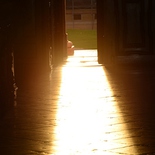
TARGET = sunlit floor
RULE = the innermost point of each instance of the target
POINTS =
(82, 108)
(87, 110)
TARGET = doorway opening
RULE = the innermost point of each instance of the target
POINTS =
(81, 25)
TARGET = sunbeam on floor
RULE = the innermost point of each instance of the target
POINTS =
(86, 110)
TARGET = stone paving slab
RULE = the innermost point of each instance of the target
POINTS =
(83, 108)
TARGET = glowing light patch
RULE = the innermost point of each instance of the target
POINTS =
(84, 125)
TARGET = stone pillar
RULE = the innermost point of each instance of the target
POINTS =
(59, 32)
(43, 32)
(106, 24)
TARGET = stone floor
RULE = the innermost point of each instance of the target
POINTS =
(83, 108)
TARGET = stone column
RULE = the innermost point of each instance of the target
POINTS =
(59, 31)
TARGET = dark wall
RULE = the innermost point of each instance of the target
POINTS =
(106, 30)
(37, 28)
(34, 31)
(125, 28)
(7, 82)
(41, 36)
(153, 24)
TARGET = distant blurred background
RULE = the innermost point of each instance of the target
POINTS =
(81, 23)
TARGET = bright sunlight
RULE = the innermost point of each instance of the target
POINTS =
(87, 109)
